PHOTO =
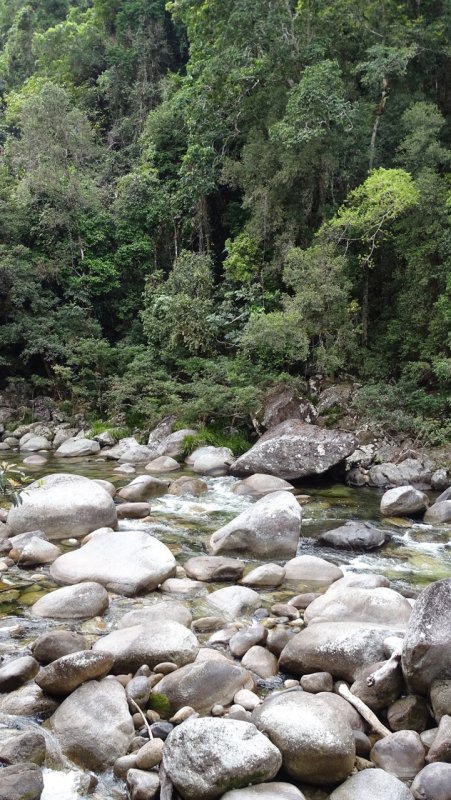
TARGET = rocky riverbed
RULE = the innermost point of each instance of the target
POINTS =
(168, 632)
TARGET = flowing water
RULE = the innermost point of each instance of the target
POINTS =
(415, 555)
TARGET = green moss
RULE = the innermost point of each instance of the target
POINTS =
(160, 703)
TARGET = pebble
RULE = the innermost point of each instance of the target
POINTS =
(150, 754)
(161, 729)
(165, 668)
(183, 714)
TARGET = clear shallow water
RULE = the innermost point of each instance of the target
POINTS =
(415, 555)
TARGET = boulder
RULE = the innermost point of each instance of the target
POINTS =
(35, 461)
(433, 782)
(360, 580)
(162, 464)
(34, 552)
(124, 562)
(375, 606)
(28, 701)
(203, 684)
(206, 757)
(86, 600)
(31, 443)
(21, 782)
(173, 445)
(65, 674)
(214, 568)
(75, 448)
(16, 672)
(409, 471)
(259, 485)
(438, 513)
(341, 649)
(402, 754)
(133, 510)
(166, 611)
(135, 454)
(62, 506)
(234, 601)
(403, 501)
(54, 644)
(142, 785)
(426, 654)
(142, 488)
(212, 461)
(268, 529)
(244, 639)
(316, 742)
(188, 485)
(355, 536)
(150, 643)
(311, 569)
(259, 660)
(115, 452)
(372, 784)
(27, 746)
(266, 791)
(267, 575)
(295, 449)
(93, 725)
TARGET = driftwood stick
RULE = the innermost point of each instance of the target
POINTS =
(362, 708)
(391, 665)
(140, 711)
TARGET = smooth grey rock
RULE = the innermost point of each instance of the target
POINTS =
(214, 568)
(28, 701)
(341, 649)
(440, 749)
(142, 785)
(173, 445)
(317, 682)
(439, 513)
(34, 552)
(75, 448)
(372, 784)
(408, 713)
(88, 599)
(34, 443)
(316, 743)
(358, 580)
(295, 449)
(206, 757)
(62, 506)
(203, 684)
(381, 694)
(267, 575)
(143, 487)
(126, 562)
(376, 606)
(16, 672)
(259, 485)
(268, 529)
(135, 454)
(234, 601)
(21, 782)
(212, 461)
(163, 464)
(133, 510)
(403, 501)
(246, 638)
(426, 654)
(433, 783)
(166, 611)
(27, 746)
(54, 644)
(402, 754)
(93, 725)
(266, 791)
(259, 660)
(188, 485)
(355, 536)
(35, 461)
(311, 569)
(440, 696)
(150, 643)
(65, 674)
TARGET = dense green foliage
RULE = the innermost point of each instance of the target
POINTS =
(202, 198)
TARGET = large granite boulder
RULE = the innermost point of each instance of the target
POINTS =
(62, 506)
(341, 648)
(75, 448)
(126, 562)
(374, 606)
(316, 742)
(93, 725)
(426, 654)
(403, 501)
(151, 643)
(206, 757)
(268, 529)
(295, 449)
